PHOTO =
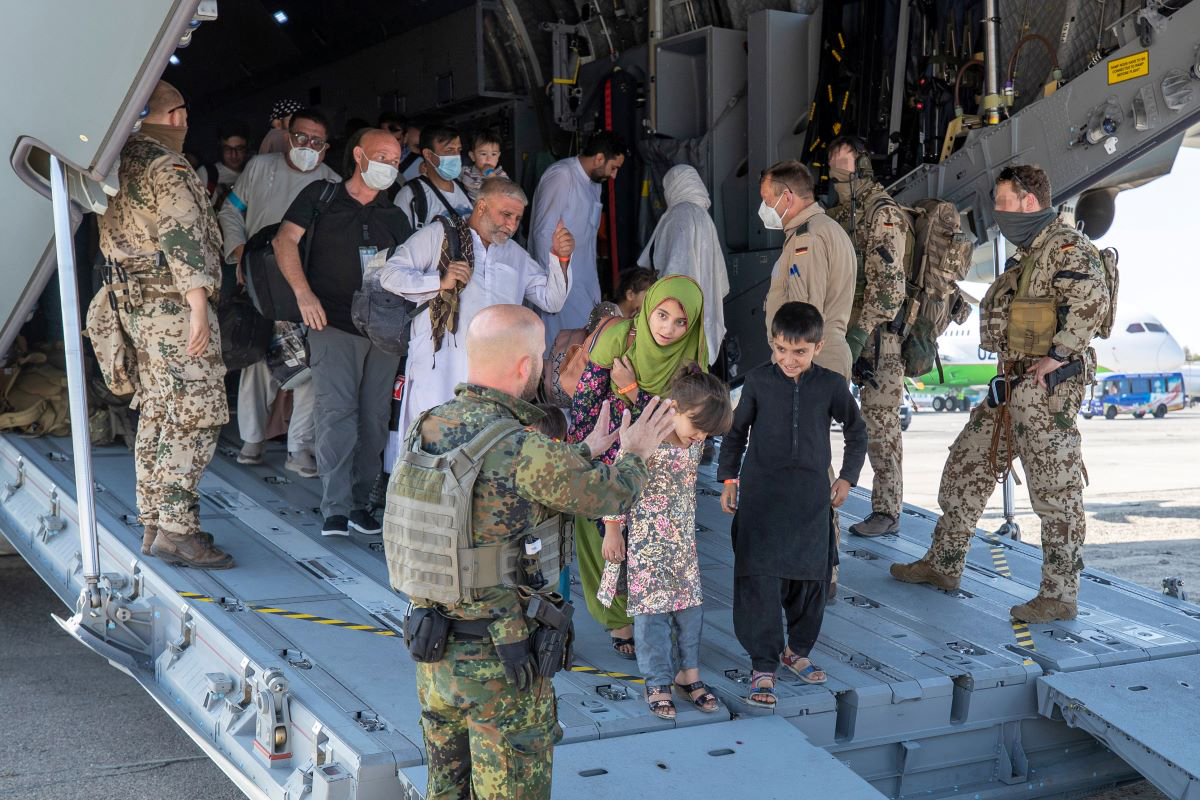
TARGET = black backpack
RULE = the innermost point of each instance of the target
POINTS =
(386, 318)
(269, 290)
(419, 205)
(245, 334)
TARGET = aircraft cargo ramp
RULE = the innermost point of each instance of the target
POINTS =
(288, 670)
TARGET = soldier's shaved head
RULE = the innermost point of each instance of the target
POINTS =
(505, 345)
(164, 98)
(377, 140)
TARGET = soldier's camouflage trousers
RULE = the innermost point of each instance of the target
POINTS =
(881, 413)
(1048, 446)
(485, 740)
(182, 404)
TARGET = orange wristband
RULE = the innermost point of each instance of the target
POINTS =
(731, 480)
(630, 388)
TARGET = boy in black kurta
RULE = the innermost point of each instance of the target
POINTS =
(782, 532)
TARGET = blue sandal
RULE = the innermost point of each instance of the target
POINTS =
(756, 687)
(804, 673)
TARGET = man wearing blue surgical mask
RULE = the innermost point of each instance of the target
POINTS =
(437, 191)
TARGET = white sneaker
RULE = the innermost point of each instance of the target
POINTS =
(251, 453)
(302, 463)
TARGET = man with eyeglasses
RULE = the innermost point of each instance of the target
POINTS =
(1039, 317)
(162, 250)
(219, 176)
(260, 197)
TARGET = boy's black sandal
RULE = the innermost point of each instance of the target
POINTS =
(706, 702)
(660, 707)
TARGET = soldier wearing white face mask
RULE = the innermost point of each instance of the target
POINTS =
(817, 264)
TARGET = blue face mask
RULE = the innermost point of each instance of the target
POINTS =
(449, 167)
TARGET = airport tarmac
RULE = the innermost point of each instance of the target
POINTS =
(1142, 499)
(77, 728)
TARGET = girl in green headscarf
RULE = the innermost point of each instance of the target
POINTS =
(630, 363)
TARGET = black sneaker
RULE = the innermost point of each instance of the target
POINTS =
(335, 526)
(363, 522)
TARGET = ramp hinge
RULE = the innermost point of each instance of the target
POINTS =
(1173, 587)
(14, 486)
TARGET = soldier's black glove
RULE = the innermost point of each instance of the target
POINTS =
(519, 666)
(856, 338)
(863, 372)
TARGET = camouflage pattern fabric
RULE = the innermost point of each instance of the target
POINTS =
(881, 413)
(163, 208)
(1044, 433)
(880, 285)
(484, 739)
(470, 714)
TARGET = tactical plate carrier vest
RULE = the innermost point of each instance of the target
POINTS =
(427, 535)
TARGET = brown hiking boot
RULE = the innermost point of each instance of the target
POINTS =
(922, 572)
(190, 551)
(148, 534)
(876, 524)
(1044, 609)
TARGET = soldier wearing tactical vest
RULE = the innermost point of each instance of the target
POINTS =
(473, 531)
(881, 243)
(162, 246)
(1039, 317)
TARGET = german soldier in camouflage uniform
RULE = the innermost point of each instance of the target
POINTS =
(489, 721)
(1039, 317)
(880, 234)
(161, 235)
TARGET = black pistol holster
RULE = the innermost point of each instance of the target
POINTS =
(425, 633)
(553, 634)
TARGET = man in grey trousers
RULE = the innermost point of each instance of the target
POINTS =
(352, 379)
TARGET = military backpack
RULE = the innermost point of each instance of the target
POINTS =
(938, 255)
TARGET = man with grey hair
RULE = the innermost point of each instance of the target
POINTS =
(489, 269)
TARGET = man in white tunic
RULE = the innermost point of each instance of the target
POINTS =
(569, 194)
(502, 273)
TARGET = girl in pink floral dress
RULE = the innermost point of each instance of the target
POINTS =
(662, 569)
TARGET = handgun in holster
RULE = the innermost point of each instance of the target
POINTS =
(553, 635)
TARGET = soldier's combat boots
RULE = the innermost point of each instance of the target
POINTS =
(1044, 609)
(148, 534)
(190, 551)
(923, 572)
(876, 524)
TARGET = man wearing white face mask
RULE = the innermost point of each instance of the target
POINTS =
(817, 264)
(437, 190)
(259, 198)
(352, 379)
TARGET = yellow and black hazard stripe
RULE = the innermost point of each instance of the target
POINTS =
(300, 615)
(619, 676)
(1020, 629)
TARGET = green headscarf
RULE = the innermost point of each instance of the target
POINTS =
(653, 364)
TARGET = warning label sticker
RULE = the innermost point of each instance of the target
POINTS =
(1129, 67)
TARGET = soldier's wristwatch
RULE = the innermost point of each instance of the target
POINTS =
(1058, 355)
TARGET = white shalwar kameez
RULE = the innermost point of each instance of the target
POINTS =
(504, 273)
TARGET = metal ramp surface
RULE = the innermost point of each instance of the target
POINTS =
(728, 759)
(930, 693)
(1146, 713)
